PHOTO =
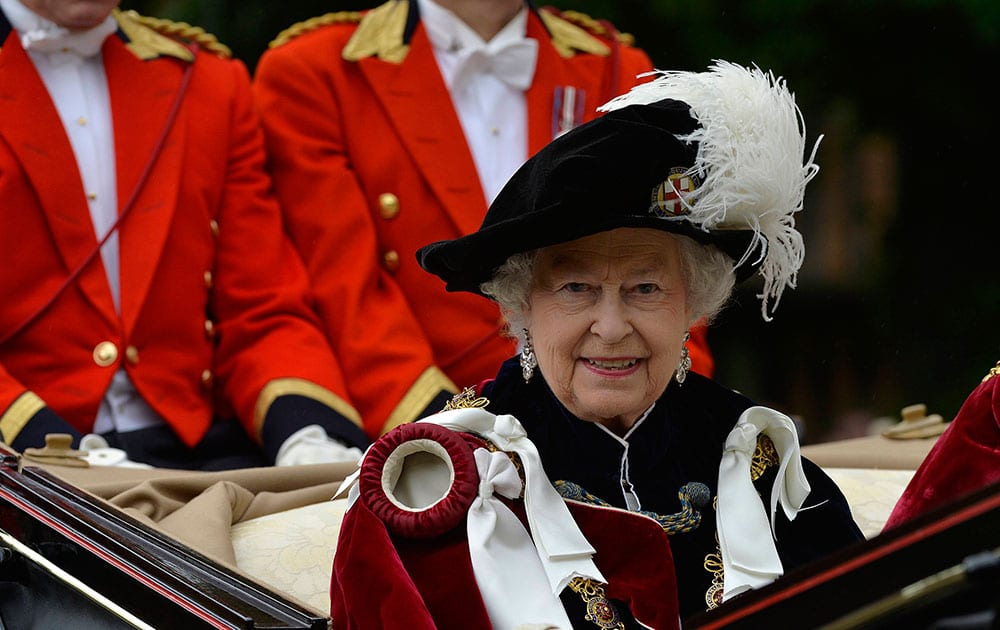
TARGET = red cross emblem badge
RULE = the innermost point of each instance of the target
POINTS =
(667, 195)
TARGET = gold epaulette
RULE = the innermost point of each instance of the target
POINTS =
(147, 47)
(597, 27)
(380, 34)
(572, 30)
(293, 31)
(568, 38)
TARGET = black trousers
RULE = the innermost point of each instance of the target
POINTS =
(225, 446)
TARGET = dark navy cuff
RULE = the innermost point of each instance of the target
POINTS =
(41, 424)
(437, 404)
(292, 412)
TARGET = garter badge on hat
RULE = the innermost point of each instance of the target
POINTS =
(668, 198)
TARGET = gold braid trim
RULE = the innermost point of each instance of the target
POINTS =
(18, 415)
(420, 394)
(597, 27)
(301, 387)
(293, 31)
(179, 30)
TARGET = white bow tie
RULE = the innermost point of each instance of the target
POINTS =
(513, 63)
(84, 43)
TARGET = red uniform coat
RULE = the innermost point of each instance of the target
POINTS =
(370, 164)
(214, 311)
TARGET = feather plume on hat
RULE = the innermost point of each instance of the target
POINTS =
(751, 142)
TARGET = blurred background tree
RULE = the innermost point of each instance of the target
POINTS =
(898, 301)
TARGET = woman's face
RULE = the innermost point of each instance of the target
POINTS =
(607, 316)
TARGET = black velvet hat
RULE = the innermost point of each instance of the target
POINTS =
(664, 156)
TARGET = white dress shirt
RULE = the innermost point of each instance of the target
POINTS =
(489, 97)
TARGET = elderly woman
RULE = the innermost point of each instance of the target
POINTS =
(603, 251)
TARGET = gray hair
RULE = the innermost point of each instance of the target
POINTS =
(708, 277)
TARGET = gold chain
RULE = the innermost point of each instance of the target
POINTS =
(599, 610)
(713, 564)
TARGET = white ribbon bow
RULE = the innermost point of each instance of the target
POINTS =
(57, 39)
(511, 62)
(561, 546)
(510, 576)
(746, 535)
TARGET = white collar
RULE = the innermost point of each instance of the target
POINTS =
(623, 439)
(449, 33)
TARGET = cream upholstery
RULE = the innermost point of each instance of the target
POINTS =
(871, 493)
(872, 472)
(292, 551)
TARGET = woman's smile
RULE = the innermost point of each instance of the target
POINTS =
(614, 368)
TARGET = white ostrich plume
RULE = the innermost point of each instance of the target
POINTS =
(751, 145)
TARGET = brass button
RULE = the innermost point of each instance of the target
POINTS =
(207, 378)
(105, 353)
(209, 329)
(214, 226)
(391, 260)
(388, 204)
(208, 280)
(132, 355)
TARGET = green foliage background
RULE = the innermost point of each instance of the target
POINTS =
(898, 301)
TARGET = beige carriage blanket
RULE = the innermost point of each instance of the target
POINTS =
(278, 526)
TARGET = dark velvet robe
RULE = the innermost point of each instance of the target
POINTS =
(965, 458)
(680, 441)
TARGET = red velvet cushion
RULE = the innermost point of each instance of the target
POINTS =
(437, 519)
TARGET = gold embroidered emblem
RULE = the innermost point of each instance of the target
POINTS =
(764, 456)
